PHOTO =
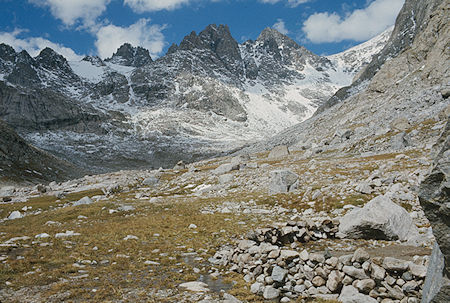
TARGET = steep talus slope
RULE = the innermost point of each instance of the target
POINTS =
(206, 96)
(21, 162)
(405, 104)
(412, 19)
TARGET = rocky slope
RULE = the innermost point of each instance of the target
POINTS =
(20, 162)
(412, 19)
(408, 94)
(206, 95)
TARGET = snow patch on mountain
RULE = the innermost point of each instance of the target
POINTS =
(88, 71)
(358, 56)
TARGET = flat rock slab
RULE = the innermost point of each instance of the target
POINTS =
(195, 286)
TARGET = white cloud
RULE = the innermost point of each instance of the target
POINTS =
(360, 25)
(141, 6)
(72, 11)
(291, 3)
(33, 45)
(111, 37)
(281, 27)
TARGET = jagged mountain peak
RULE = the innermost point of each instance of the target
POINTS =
(129, 55)
(172, 49)
(50, 59)
(220, 40)
(7, 52)
(273, 38)
(216, 38)
(24, 57)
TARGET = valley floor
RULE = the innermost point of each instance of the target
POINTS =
(143, 233)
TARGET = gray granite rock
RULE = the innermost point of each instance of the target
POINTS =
(378, 219)
(282, 181)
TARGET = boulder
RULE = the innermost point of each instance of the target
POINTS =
(400, 141)
(377, 272)
(334, 280)
(256, 288)
(180, 165)
(278, 274)
(150, 181)
(392, 264)
(379, 219)
(270, 293)
(225, 168)
(434, 196)
(354, 272)
(83, 201)
(227, 298)
(282, 181)
(364, 188)
(419, 271)
(278, 152)
(288, 254)
(350, 294)
(15, 215)
(400, 124)
(225, 179)
(365, 285)
(195, 286)
(318, 281)
(360, 255)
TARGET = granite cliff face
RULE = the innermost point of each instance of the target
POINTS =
(207, 95)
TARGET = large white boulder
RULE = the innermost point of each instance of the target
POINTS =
(379, 219)
(282, 181)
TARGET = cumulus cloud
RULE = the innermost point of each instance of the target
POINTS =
(33, 45)
(281, 27)
(291, 3)
(70, 12)
(141, 6)
(141, 33)
(359, 25)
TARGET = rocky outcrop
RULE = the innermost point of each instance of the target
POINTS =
(41, 109)
(434, 196)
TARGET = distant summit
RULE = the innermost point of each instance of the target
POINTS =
(128, 55)
(208, 95)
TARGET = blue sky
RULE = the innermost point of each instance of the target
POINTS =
(76, 28)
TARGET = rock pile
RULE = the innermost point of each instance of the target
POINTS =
(278, 272)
